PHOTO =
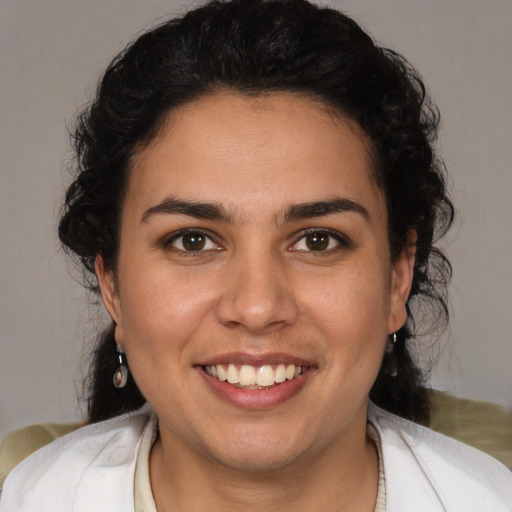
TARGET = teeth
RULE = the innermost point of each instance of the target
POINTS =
(233, 374)
(263, 376)
(247, 375)
(280, 375)
(221, 373)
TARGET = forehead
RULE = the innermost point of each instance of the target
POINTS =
(280, 148)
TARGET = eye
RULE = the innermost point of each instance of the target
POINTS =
(319, 241)
(192, 241)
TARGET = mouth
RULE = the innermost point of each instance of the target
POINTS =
(252, 381)
(246, 376)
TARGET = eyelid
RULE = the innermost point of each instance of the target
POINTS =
(342, 239)
(167, 241)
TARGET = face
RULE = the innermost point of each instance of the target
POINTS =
(254, 290)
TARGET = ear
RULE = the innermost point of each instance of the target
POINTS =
(401, 282)
(109, 296)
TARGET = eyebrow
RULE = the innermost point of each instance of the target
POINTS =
(322, 208)
(171, 205)
(217, 212)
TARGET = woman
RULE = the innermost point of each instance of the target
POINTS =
(257, 199)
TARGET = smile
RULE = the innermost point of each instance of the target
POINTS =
(254, 377)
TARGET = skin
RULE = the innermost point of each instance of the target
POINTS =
(257, 288)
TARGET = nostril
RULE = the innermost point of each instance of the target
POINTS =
(258, 316)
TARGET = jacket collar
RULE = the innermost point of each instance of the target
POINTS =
(408, 483)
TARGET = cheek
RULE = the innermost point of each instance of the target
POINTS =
(353, 300)
(352, 313)
(161, 318)
(161, 313)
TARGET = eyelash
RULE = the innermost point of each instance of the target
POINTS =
(342, 241)
(167, 242)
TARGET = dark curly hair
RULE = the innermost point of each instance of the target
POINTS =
(255, 47)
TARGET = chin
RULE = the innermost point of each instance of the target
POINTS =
(255, 461)
(258, 452)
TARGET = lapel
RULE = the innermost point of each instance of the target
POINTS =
(91, 469)
(428, 472)
(408, 486)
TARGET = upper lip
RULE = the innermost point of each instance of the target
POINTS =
(242, 358)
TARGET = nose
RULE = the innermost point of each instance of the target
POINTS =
(257, 295)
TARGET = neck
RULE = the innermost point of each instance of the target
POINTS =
(343, 476)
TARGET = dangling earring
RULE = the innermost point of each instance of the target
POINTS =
(390, 345)
(391, 368)
(121, 374)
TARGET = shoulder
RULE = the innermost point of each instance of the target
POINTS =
(425, 468)
(87, 469)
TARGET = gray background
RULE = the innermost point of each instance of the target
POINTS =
(51, 55)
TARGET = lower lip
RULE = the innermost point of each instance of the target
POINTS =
(256, 398)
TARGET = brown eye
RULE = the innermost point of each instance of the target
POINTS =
(317, 241)
(192, 241)
(320, 241)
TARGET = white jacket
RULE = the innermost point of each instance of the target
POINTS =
(92, 469)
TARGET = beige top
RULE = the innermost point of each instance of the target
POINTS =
(144, 501)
